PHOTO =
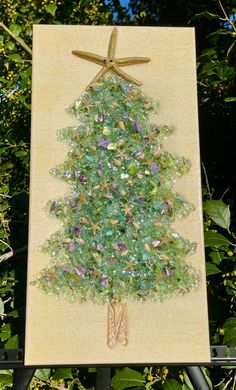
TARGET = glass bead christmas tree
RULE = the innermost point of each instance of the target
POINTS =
(116, 241)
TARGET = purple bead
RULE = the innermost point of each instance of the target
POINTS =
(128, 87)
(82, 178)
(137, 127)
(103, 143)
(121, 247)
(139, 197)
(155, 243)
(129, 219)
(145, 142)
(138, 153)
(104, 281)
(73, 203)
(125, 117)
(81, 271)
(100, 166)
(76, 230)
(153, 167)
(100, 246)
(48, 278)
(65, 268)
(169, 271)
(164, 209)
(114, 187)
(71, 246)
(100, 117)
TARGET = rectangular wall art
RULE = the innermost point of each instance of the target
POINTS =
(116, 269)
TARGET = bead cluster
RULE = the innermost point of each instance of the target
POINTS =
(116, 238)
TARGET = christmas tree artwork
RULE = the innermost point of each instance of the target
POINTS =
(116, 241)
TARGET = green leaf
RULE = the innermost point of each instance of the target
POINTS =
(230, 332)
(62, 373)
(6, 379)
(12, 343)
(208, 69)
(211, 269)
(230, 99)
(215, 239)
(218, 211)
(172, 384)
(13, 313)
(207, 55)
(216, 256)
(15, 57)
(220, 31)
(15, 28)
(43, 374)
(187, 380)
(206, 375)
(127, 378)
(231, 49)
(1, 306)
(92, 369)
(5, 332)
(206, 14)
(21, 153)
(51, 9)
(10, 45)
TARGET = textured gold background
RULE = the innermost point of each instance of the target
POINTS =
(58, 332)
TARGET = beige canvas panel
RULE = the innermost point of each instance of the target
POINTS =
(58, 332)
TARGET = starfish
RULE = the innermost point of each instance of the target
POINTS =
(164, 240)
(83, 197)
(151, 135)
(104, 185)
(96, 272)
(130, 181)
(130, 265)
(87, 104)
(110, 63)
(126, 209)
(121, 154)
(94, 227)
(114, 221)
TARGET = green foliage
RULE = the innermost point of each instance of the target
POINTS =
(172, 384)
(206, 374)
(126, 378)
(17, 18)
(5, 379)
(43, 374)
(214, 239)
(230, 332)
(218, 211)
(212, 269)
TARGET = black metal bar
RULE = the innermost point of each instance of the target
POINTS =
(11, 358)
(22, 378)
(197, 378)
(103, 379)
(221, 356)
